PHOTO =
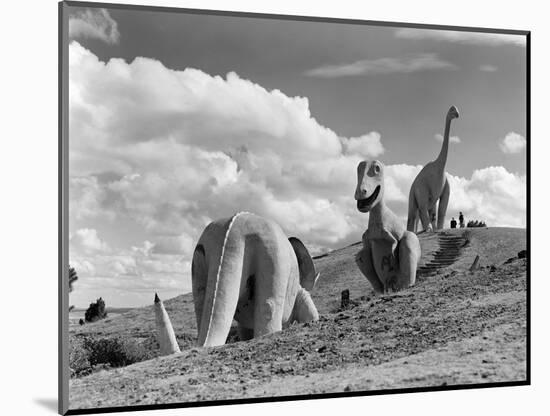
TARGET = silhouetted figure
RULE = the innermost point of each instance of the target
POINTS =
(461, 220)
(453, 223)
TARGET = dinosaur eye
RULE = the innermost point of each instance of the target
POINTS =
(376, 169)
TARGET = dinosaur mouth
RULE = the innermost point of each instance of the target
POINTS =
(365, 203)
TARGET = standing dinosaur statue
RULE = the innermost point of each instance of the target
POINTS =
(430, 186)
(244, 268)
(165, 333)
(390, 253)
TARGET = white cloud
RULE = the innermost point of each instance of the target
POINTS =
(95, 24)
(488, 68)
(87, 240)
(461, 37)
(413, 63)
(368, 145)
(169, 151)
(513, 143)
(452, 139)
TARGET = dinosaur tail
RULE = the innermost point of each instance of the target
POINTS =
(165, 332)
(222, 292)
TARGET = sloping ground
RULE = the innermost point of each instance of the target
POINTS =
(452, 327)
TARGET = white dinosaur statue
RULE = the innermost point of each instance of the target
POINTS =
(390, 253)
(165, 333)
(244, 268)
(430, 186)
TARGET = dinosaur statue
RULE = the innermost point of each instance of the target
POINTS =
(244, 268)
(430, 186)
(390, 253)
(165, 333)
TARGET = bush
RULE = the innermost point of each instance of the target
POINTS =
(475, 224)
(87, 354)
(79, 357)
(96, 311)
(116, 352)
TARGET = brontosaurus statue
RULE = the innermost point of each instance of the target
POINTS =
(390, 253)
(165, 333)
(430, 186)
(245, 268)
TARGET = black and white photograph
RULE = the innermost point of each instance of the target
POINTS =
(260, 207)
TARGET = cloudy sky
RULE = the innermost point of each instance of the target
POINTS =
(177, 120)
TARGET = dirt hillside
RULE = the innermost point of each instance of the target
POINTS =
(453, 327)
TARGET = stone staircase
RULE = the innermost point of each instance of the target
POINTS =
(450, 248)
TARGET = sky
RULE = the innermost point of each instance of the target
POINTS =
(176, 120)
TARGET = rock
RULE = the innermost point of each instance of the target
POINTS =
(475, 264)
(493, 268)
(344, 303)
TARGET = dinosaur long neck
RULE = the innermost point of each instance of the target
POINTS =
(442, 158)
(376, 212)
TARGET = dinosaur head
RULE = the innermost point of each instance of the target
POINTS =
(370, 184)
(452, 113)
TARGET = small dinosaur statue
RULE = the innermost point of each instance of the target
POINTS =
(430, 186)
(245, 268)
(390, 253)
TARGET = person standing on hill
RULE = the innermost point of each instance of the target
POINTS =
(461, 220)
(453, 223)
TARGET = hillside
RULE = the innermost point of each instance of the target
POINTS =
(452, 327)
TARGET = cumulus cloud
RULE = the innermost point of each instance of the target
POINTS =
(408, 64)
(87, 240)
(368, 145)
(94, 24)
(169, 151)
(512, 143)
(452, 139)
(472, 38)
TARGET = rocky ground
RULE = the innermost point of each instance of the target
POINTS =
(453, 327)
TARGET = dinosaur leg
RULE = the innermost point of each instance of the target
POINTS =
(433, 219)
(272, 275)
(415, 222)
(245, 333)
(363, 259)
(304, 309)
(443, 202)
(412, 216)
(409, 254)
(425, 218)
(423, 210)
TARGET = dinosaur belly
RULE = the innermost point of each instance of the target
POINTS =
(386, 263)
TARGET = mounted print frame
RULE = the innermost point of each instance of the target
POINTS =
(261, 207)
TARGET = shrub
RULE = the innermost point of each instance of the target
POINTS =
(116, 352)
(476, 223)
(88, 354)
(96, 311)
(73, 277)
(79, 357)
